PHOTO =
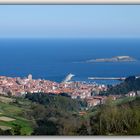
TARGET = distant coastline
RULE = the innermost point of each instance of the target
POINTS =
(113, 59)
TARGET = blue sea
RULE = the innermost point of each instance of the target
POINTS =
(53, 59)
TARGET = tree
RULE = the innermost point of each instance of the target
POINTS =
(5, 132)
(16, 129)
(46, 127)
(82, 130)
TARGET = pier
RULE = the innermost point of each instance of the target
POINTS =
(110, 78)
(107, 78)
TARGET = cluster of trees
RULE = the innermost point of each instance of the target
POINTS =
(5, 132)
(130, 84)
(114, 120)
(52, 121)
(54, 114)
(60, 102)
(109, 119)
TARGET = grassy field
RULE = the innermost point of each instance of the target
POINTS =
(123, 100)
(93, 111)
(6, 99)
(11, 114)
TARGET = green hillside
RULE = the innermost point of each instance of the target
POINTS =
(12, 117)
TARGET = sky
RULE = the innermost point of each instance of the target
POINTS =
(69, 21)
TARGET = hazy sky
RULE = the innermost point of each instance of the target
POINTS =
(70, 21)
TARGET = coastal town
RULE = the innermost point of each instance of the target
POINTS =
(76, 90)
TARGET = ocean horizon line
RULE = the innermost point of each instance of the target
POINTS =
(69, 38)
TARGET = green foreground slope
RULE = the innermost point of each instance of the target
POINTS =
(12, 117)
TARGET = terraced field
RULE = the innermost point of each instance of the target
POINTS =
(11, 114)
(6, 119)
(5, 127)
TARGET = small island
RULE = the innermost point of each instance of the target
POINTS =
(113, 59)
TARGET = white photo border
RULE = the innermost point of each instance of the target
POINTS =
(73, 2)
